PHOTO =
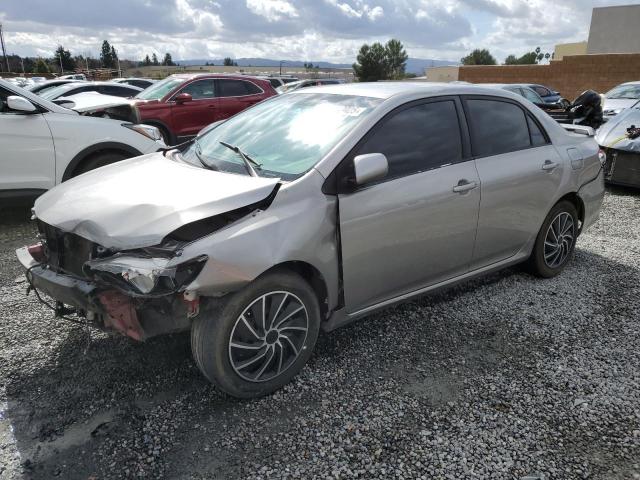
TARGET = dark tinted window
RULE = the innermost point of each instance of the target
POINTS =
(3, 100)
(200, 89)
(236, 88)
(417, 138)
(275, 83)
(328, 82)
(139, 83)
(537, 137)
(543, 92)
(117, 91)
(497, 127)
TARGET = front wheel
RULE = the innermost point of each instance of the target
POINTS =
(261, 338)
(556, 241)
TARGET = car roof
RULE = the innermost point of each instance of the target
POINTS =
(233, 76)
(385, 90)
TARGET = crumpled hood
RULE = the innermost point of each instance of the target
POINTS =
(137, 202)
(610, 134)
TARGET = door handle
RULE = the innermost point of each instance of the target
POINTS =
(464, 186)
(549, 165)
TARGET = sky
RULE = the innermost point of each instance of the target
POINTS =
(328, 30)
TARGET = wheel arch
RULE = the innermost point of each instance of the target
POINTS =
(577, 202)
(162, 126)
(94, 149)
(310, 274)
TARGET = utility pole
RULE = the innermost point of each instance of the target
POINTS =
(4, 50)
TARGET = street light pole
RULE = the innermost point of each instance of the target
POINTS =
(281, 62)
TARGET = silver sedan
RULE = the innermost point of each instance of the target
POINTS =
(309, 211)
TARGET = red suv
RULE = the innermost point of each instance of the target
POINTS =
(182, 105)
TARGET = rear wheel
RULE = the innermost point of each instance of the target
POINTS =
(261, 338)
(556, 241)
(99, 160)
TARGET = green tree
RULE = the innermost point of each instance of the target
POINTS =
(168, 61)
(154, 59)
(63, 57)
(396, 58)
(41, 67)
(107, 55)
(511, 60)
(372, 63)
(147, 61)
(526, 59)
(479, 57)
(228, 62)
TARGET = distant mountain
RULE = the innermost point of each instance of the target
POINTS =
(414, 65)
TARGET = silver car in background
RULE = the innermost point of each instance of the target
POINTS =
(311, 210)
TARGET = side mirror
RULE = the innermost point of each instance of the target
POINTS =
(20, 104)
(183, 98)
(370, 167)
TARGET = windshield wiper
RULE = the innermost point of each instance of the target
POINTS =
(248, 161)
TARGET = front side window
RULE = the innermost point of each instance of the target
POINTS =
(497, 127)
(286, 135)
(200, 89)
(418, 138)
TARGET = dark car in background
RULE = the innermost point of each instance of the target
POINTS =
(136, 82)
(547, 94)
(182, 105)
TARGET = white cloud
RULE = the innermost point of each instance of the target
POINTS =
(293, 29)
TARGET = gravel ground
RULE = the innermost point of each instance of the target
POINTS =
(506, 377)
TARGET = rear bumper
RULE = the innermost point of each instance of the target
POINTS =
(592, 196)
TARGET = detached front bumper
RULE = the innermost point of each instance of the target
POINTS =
(105, 307)
(63, 288)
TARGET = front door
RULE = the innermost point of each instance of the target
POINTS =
(191, 117)
(27, 158)
(417, 226)
(520, 172)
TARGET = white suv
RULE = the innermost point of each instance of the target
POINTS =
(43, 144)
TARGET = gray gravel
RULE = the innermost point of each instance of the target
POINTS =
(507, 377)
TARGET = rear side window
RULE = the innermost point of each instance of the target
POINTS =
(543, 92)
(418, 138)
(236, 88)
(116, 91)
(497, 127)
(538, 138)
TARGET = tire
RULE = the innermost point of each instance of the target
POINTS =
(99, 160)
(556, 241)
(233, 351)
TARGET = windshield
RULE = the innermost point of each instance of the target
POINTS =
(160, 89)
(624, 91)
(285, 136)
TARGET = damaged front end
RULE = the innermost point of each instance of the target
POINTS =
(140, 293)
(620, 142)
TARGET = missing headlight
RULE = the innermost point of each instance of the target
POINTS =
(140, 275)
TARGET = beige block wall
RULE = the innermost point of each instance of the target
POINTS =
(566, 49)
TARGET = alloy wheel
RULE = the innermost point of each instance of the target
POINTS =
(559, 240)
(268, 336)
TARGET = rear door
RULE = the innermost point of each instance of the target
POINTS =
(520, 173)
(235, 95)
(417, 226)
(27, 157)
(191, 117)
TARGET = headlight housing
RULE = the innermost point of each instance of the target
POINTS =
(148, 131)
(144, 276)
